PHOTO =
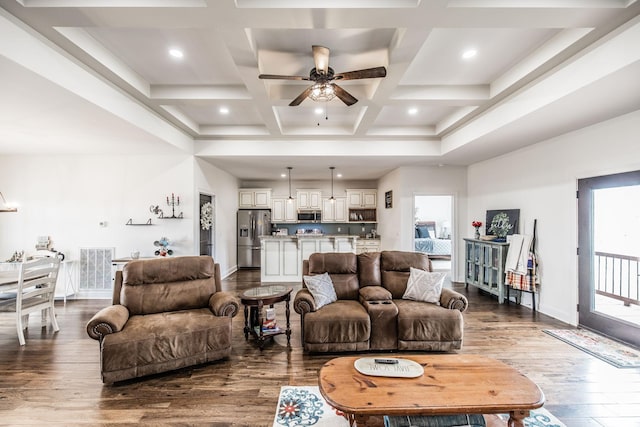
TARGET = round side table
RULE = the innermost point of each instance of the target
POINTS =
(254, 300)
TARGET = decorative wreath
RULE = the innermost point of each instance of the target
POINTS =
(206, 216)
(500, 225)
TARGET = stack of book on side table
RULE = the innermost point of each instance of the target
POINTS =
(269, 325)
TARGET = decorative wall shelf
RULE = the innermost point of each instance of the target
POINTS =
(181, 216)
(130, 222)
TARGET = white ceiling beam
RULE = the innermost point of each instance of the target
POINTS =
(541, 3)
(444, 92)
(237, 130)
(200, 92)
(403, 49)
(402, 131)
(318, 147)
(539, 57)
(608, 55)
(451, 120)
(92, 47)
(113, 3)
(181, 117)
(24, 46)
(317, 4)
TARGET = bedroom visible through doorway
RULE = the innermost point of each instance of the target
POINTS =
(433, 228)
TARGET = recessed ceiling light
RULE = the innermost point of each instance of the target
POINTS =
(319, 110)
(413, 111)
(339, 175)
(283, 175)
(224, 110)
(176, 53)
(469, 53)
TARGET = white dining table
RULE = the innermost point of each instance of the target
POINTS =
(8, 280)
(9, 277)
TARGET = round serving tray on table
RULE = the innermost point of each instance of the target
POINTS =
(405, 368)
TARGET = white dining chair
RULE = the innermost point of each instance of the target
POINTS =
(35, 291)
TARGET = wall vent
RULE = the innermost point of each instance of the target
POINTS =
(95, 269)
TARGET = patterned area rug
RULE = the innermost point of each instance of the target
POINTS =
(304, 406)
(618, 355)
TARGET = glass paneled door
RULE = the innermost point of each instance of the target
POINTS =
(609, 255)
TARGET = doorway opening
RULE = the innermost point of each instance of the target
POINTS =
(433, 230)
(207, 224)
(609, 255)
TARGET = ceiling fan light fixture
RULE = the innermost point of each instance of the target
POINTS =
(322, 91)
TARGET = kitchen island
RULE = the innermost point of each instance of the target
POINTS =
(282, 256)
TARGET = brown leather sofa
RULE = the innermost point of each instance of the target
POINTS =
(370, 313)
(167, 314)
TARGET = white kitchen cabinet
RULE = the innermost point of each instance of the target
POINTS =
(280, 260)
(345, 244)
(254, 198)
(282, 256)
(336, 211)
(365, 198)
(282, 210)
(367, 245)
(309, 198)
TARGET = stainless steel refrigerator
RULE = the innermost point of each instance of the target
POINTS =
(252, 223)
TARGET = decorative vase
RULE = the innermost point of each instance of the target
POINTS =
(477, 235)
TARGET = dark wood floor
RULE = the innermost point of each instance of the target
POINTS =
(55, 378)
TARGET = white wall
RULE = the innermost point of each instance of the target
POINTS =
(397, 224)
(211, 180)
(66, 197)
(541, 181)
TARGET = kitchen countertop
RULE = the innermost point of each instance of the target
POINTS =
(318, 236)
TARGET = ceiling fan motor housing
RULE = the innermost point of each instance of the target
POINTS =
(315, 76)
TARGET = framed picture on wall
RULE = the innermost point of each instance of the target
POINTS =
(502, 222)
(388, 199)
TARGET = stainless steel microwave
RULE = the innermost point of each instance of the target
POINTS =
(309, 216)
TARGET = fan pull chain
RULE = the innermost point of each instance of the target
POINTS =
(326, 112)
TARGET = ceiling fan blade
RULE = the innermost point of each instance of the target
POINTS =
(321, 59)
(278, 77)
(368, 73)
(344, 96)
(301, 97)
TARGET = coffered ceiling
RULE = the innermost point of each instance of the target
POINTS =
(96, 76)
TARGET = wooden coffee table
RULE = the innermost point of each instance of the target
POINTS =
(452, 384)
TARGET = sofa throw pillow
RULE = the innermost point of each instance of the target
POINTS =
(424, 286)
(321, 288)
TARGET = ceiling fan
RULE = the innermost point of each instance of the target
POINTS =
(323, 76)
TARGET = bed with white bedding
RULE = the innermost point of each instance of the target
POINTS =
(426, 241)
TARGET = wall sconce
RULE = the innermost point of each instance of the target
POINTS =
(4, 207)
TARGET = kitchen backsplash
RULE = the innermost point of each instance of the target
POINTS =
(325, 228)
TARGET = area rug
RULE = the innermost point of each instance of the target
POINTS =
(304, 406)
(618, 355)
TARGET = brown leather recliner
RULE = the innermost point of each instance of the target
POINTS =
(370, 313)
(167, 314)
